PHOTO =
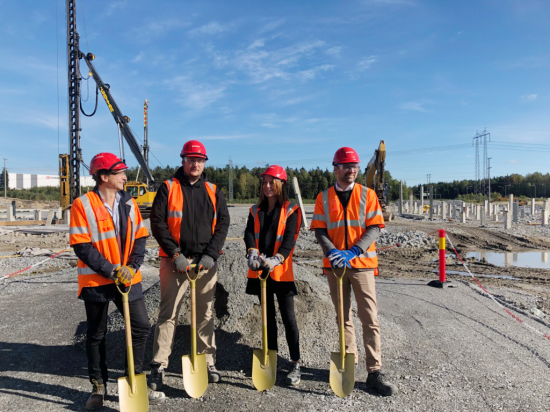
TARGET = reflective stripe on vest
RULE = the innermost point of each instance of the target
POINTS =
(283, 272)
(175, 208)
(359, 214)
(101, 231)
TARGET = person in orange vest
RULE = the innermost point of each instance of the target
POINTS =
(190, 221)
(108, 237)
(347, 221)
(270, 236)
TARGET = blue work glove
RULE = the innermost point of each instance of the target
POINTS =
(336, 258)
(349, 255)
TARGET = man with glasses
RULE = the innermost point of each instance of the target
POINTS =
(190, 221)
(347, 221)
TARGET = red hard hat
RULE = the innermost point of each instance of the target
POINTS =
(275, 171)
(194, 148)
(345, 155)
(107, 161)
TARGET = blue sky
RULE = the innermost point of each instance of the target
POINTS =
(287, 82)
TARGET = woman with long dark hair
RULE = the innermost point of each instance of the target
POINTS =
(270, 236)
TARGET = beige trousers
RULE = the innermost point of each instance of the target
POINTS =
(172, 288)
(363, 284)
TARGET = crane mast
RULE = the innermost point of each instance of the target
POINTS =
(73, 59)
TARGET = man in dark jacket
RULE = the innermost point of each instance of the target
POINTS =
(190, 221)
(108, 237)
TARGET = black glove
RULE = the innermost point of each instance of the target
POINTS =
(272, 262)
(253, 262)
(204, 263)
(124, 274)
(181, 263)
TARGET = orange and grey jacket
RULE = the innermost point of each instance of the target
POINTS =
(92, 224)
(283, 272)
(346, 226)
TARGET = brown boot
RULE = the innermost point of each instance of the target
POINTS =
(95, 401)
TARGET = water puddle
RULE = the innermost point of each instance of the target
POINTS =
(533, 259)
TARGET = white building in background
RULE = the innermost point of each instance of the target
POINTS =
(26, 181)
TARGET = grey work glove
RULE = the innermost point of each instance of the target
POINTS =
(253, 262)
(124, 274)
(272, 262)
(181, 263)
(204, 263)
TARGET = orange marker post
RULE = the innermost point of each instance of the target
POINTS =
(442, 277)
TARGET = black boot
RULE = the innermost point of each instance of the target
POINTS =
(95, 400)
(377, 382)
(156, 378)
(295, 375)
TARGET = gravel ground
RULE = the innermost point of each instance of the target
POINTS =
(446, 349)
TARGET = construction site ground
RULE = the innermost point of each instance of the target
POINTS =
(452, 349)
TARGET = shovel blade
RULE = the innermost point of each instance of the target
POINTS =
(342, 381)
(195, 379)
(264, 376)
(137, 401)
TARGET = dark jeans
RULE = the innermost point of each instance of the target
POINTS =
(286, 306)
(96, 314)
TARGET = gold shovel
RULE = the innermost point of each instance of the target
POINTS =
(342, 364)
(264, 361)
(195, 370)
(132, 389)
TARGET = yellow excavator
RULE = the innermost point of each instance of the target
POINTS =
(374, 178)
(143, 196)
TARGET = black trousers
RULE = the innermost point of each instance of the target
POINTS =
(286, 307)
(96, 314)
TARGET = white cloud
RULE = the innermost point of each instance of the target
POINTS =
(139, 57)
(416, 106)
(114, 6)
(334, 51)
(272, 25)
(312, 73)
(194, 95)
(365, 63)
(514, 161)
(209, 29)
(256, 44)
(528, 97)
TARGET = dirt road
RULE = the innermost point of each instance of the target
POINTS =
(447, 350)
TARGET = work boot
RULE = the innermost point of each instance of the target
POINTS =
(295, 375)
(95, 400)
(377, 382)
(156, 378)
(213, 374)
(155, 397)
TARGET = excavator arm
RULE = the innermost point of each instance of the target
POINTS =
(374, 177)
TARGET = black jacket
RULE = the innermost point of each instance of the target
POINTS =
(95, 260)
(268, 233)
(196, 238)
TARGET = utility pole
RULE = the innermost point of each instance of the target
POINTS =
(230, 179)
(481, 182)
(146, 136)
(428, 176)
(476, 144)
(5, 177)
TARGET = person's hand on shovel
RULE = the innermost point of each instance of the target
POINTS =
(272, 262)
(124, 275)
(181, 263)
(253, 259)
(204, 263)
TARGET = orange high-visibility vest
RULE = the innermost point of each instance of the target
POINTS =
(363, 210)
(92, 223)
(175, 208)
(284, 271)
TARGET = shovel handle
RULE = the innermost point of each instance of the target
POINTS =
(129, 349)
(263, 284)
(342, 338)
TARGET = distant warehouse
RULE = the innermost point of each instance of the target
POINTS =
(26, 181)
